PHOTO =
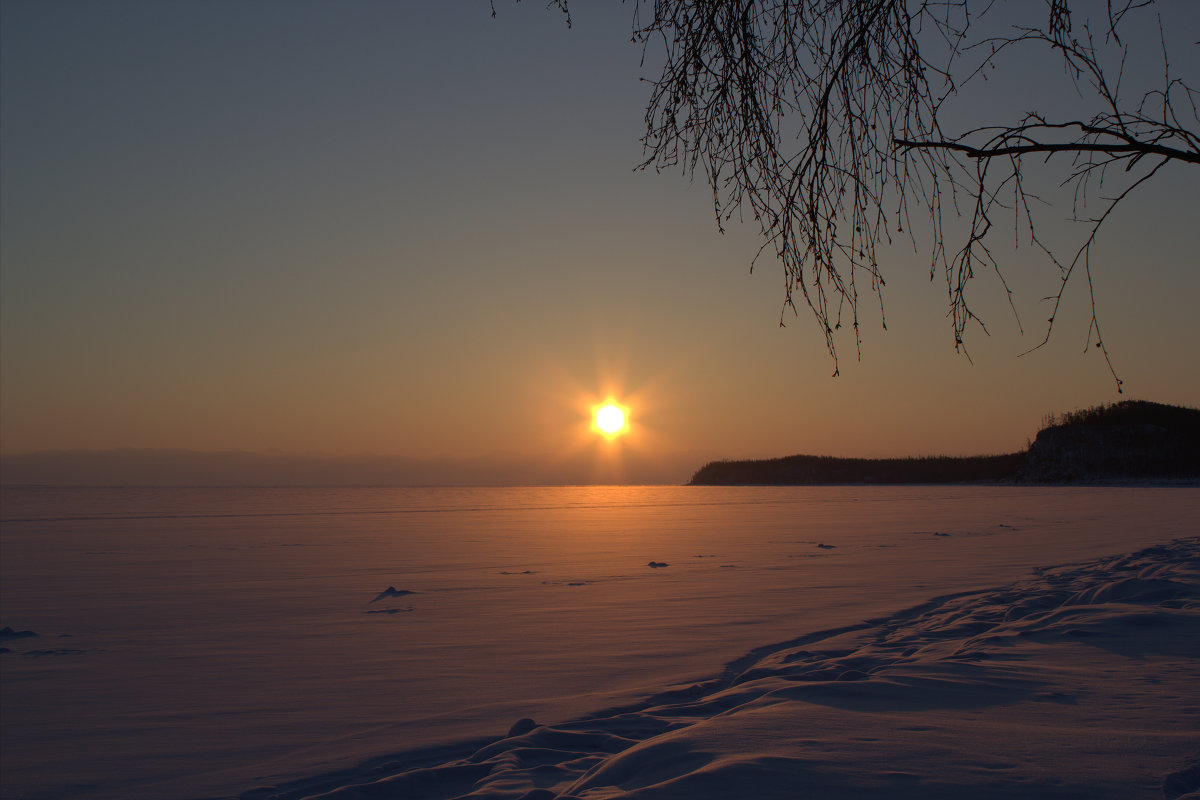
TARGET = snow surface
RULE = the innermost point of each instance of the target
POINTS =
(792, 642)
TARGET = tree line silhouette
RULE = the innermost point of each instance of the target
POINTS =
(1131, 440)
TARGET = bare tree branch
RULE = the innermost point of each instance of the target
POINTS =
(821, 120)
(1140, 148)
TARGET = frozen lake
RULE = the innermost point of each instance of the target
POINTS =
(202, 642)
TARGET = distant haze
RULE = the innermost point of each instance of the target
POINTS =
(190, 468)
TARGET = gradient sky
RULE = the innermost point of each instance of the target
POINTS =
(391, 228)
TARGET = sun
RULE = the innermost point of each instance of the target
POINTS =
(610, 419)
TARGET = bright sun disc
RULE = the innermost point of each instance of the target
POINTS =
(610, 419)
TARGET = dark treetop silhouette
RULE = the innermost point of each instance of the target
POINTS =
(825, 121)
(1128, 441)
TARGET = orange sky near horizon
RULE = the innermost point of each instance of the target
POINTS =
(415, 230)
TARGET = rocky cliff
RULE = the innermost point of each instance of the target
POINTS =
(1130, 440)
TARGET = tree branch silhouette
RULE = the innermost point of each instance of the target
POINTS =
(824, 122)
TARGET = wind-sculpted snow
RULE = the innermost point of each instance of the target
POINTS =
(1079, 682)
(201, 643)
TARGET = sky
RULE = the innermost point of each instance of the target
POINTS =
(369, 230)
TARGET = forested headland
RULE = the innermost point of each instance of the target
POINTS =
(1133, 440)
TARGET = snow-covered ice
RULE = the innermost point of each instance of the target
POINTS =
(821, 642)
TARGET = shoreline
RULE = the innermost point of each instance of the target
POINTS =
(1098, 483)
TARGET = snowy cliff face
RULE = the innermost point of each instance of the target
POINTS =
(1083, 453)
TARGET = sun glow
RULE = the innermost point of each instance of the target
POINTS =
(610, 419)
